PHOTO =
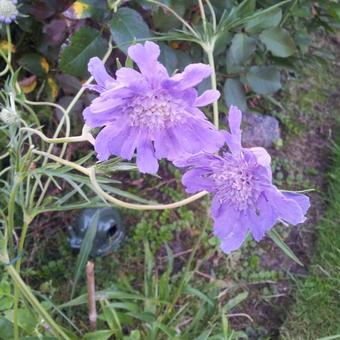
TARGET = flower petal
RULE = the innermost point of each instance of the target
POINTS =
(287, 209)
(146, 57)
(146, 160)
(234, 120)
(192, 75)
(97, 69)
(105, 140)
(194, 181)
(233, 235)
(302, 200)
(262, 218)
(207, 97)
(263, 158)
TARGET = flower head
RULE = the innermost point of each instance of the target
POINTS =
(8, 11)
(149, 111)
(244, 198)
(8, 116)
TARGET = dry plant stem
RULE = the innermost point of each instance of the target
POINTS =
(91, 295)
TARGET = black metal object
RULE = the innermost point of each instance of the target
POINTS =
(109, 235)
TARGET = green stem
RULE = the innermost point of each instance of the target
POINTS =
(27, 220)
(9, 53)
(210, 53)
(28, 295)
(204, 18)
(10, 218)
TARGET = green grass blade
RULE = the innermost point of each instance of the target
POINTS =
(275, 236)
(85, 250)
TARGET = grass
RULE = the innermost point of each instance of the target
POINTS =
(316, 313)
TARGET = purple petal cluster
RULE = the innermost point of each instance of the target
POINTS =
(244, 198)
(8, 11)
(149, 112)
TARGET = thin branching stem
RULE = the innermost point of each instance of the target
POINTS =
(204, 17)
(91, 173)
(213, 14)
(186, 24)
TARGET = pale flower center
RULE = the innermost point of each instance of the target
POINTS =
(237, 184)
(8, 9)
(154, 111)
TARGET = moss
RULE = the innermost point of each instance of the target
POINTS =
(317, 310)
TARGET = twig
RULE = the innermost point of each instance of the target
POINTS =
(91, 295)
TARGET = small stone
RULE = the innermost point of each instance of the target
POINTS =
(260, 130)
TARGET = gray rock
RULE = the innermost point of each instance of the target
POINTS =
(259, 130)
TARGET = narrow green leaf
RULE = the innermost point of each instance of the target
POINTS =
(234, 302)
(279, 42)
(85, 44)
(275, 236)
(195, 292)
(85, 250)
(98, 335)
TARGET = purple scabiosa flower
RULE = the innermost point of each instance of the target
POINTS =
(149, 111)
(8, 11)
(244, 198)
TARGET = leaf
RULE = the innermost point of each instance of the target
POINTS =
(35, 64)
(277, 239)
(234, 302)
(268, 20)
(164, 20)
(195, 292)
(126, 26)
(234, 94)
(168, 57)
(82, 9)
(85, 44)
(242, 47)
(98, 335)
(85, 249)
(278, 41)
(264, 79)
(244, 9)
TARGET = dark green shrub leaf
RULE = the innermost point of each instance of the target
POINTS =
(268, 20)
(278, 41)
(244, 9)
(264, 79)
(85, 44)
(165, 21)
(126, 26)
(241, 49)
(168, 57)
(234, 94)
(35, 64)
